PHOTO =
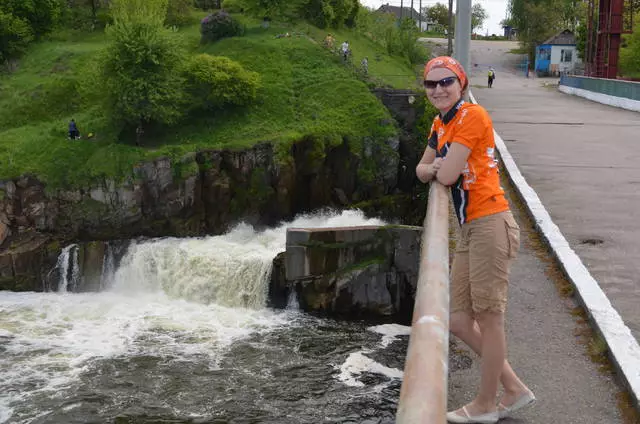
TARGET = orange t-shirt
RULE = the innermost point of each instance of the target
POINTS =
(477, 192)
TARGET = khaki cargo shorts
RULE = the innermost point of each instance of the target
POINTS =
(480, 273)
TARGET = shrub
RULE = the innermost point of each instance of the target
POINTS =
(42, 15)
(207, 4)
(233, 6)
(178, 12)
(219, 25)
(331, 13)
(15, 36)
(216, 81)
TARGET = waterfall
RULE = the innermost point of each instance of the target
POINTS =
(108, 267)
(230, 270)
(68, 260)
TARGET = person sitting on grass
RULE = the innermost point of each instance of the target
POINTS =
(74, 134)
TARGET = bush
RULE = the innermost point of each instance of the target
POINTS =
(178, 12)
(331, 13)
(219, 25)
(15, 36)
(233, 6)
(383, 29)
(216, 81)
(630, 53)
(207, 4)
(42, 15)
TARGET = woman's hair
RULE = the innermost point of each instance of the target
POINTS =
(450, 64)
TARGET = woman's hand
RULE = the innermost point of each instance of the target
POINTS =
(428, 172)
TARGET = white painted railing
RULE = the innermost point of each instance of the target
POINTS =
(423, 396)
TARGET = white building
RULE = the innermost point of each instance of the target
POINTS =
(557, 55)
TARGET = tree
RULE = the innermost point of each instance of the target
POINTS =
(15, 36)
(438, 13)
(630, 55)
(141, 66)
(272, 8)
(478, 16)
(537, 20)
(41, 15)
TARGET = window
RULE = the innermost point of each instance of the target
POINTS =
(566, 55)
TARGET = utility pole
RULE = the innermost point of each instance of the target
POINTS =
(411, 9)
(420, 16)
(463, 34)
(401, 10)
(449, 30)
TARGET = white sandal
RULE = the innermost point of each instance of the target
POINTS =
(526, 399)
(488, 418)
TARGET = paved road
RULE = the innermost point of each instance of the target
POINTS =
(565, 148)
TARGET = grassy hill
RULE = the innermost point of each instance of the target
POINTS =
(306, 91)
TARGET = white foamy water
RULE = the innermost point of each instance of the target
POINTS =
(390, 332)
(358, 363)
(169, 297)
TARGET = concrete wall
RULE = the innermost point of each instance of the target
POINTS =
(353, 272)
(622, 94)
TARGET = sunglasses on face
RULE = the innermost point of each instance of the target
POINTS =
(444, 82)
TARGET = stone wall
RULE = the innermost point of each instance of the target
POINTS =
(357, 272)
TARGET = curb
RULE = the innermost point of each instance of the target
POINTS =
(624, 350)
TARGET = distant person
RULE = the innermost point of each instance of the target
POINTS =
(491, 76)
(74, 134)
(365, 65)
(328, 41)
(345, 50)
(460, 154)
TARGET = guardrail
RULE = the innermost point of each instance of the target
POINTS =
(423, 396)
(610, 87)
(618, 93)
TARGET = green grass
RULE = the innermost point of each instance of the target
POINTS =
(390, 70)
(306, 91)
(519, 50)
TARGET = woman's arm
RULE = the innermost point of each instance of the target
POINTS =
(454, 164)
(428, 165)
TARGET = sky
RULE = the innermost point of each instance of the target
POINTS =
(496, 9)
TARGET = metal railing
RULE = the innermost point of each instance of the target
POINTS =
(423, 396)
(617, 88)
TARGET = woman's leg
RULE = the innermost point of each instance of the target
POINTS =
(464, 327)
(490, 251)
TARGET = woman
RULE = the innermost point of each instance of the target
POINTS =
(460, 154)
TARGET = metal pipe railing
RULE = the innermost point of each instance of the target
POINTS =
(423, 396)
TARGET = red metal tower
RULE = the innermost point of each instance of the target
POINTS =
(614, 18)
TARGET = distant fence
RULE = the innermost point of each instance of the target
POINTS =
(623, 94)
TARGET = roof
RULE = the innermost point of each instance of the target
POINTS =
(564, 37)
(396, 10)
